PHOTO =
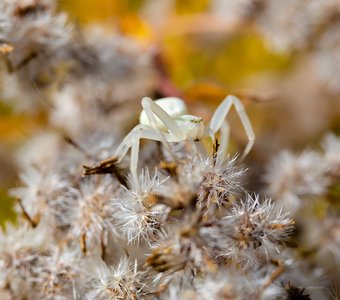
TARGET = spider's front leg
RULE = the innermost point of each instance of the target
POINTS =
(144, 132)
(109, 165)
(153, 111)
(218, 122)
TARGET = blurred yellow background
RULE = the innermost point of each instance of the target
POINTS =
(217, 57)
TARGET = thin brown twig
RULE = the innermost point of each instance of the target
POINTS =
(108, 166)
(275, 275)
(73, 143)
(32, 222)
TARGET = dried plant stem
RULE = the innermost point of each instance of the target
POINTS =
(25, 214)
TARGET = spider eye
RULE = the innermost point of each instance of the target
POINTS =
(191, 119)
(197, 120)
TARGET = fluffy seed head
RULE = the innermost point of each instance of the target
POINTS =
(123, 282)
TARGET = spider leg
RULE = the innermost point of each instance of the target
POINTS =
(145, 133)
(225, 132)
(152, 111)
(222, 112)
(108, 165)
(132, 140)
(126, 143)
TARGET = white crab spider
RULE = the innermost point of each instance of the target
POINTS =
(166, 120)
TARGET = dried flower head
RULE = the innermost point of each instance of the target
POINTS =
(331, 148)
(323, 240)
(181, 257)
(210, 180)
(229, 285)
(326, 57)
(222, 178)
(136, 212)
(56, 273)
(41, 188)
(124, 282)
(293, 178)
(251, 230)
(20, 250)
(294, 292)
(39, 36)
(88, 213)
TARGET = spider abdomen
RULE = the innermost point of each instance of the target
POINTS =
(173, 106)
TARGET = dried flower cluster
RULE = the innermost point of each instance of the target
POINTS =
(191, 230)
(307, 184)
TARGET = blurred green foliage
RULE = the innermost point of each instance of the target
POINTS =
(191, 6)
(5, 109)
(6, 207)
(87, 11)
(15, 128)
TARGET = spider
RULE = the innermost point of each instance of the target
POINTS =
(166, 120)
